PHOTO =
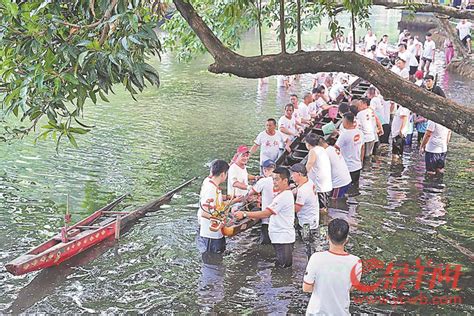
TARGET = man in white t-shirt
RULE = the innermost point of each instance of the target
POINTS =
(282, 216)
(264, 187)
(404, 54)
(306, 207)
(318, 167)
(287, 125)
(427, 57)
(412, 48)
(238, 180)
(271, 143)
(305, 110)
(351, 144)
(211, 239)
(435, 144)
(369, 124)
(464, 31)
(330, 275)
(399, 131)
(369, 40)
(340, 176)
(400, 68)
(320, 101)
(382, 111)
(402, 36)
(382, 46)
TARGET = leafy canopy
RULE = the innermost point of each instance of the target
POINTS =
(54, 55)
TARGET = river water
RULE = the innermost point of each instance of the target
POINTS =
(171, 134)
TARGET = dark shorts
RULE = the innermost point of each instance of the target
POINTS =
(205, 244)
(264, 238)
(355, 176)
(417, 58)
(323, 198)
(397, 145)
(284, 254)
(338, 193)
(420, 137)
(408, 139)
(310, 238)
(386, 134)
(464, 40)
(412, 70)
(426, 59)
(434, 161)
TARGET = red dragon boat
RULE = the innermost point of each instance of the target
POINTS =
(100, 225)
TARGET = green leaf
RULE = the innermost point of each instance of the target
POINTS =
(102, 96)
(124, 42)
(72, 140)
(81, 58)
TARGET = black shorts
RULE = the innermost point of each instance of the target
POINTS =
(464, 40)
(264, 238)
(355, 176)
(386, 134)
(420, 137)
(413, 69)
(284, 254)
(323, 198)
(426, 59)
(434, 161)
(397, 145)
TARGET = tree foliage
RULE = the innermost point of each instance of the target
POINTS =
(55, 55)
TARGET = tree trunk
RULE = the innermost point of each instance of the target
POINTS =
(298, 24)
(282, 26)
(426, 7)
(259, 10)
(353, 31)
(457, 117)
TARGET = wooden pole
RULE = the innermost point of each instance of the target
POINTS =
(118, 222)
(282, 27)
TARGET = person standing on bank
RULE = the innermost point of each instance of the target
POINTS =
(330, 275)
(282, 216)
(464, 31)
(306, 207)
(264, 186)
(428, 54)
(319, 169)
(271, 143)
(210, 195)
(351, 144)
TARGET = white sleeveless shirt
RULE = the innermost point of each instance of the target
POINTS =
(320, 173)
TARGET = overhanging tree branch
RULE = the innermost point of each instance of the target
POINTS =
(427, 7)
(457, 117)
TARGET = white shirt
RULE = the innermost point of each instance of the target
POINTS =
(210, 193)
(304, 111)
(406, 57)
(280, 226)
(397, 121)
(464, 29)
(331, 275)
(428, 49)
(237, 174)
(438, 142)
(339, 172)
(264, 186)
(370, 40)
(308, 200)
(270, 145)
(289, 124)
(413, 62)
(378, 105)
(401, 37)
(350, 142)
(320, 173)
(404, 73)
(365, 120)
(381, 46)
(336, 89)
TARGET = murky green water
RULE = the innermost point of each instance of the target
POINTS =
(150, 146)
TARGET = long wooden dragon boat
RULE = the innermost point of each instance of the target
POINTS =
(298, 154)
(100, 225)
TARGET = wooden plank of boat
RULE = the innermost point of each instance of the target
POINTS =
(88, 232)
(298, 154)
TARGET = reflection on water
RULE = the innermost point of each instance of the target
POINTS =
(171, 134)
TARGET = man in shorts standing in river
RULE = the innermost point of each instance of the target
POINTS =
(330, 275)
(435, 145)
(282, 217)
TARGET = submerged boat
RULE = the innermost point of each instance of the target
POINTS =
(298, 154)
(92, 230)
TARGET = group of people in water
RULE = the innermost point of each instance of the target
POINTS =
(291, 198)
